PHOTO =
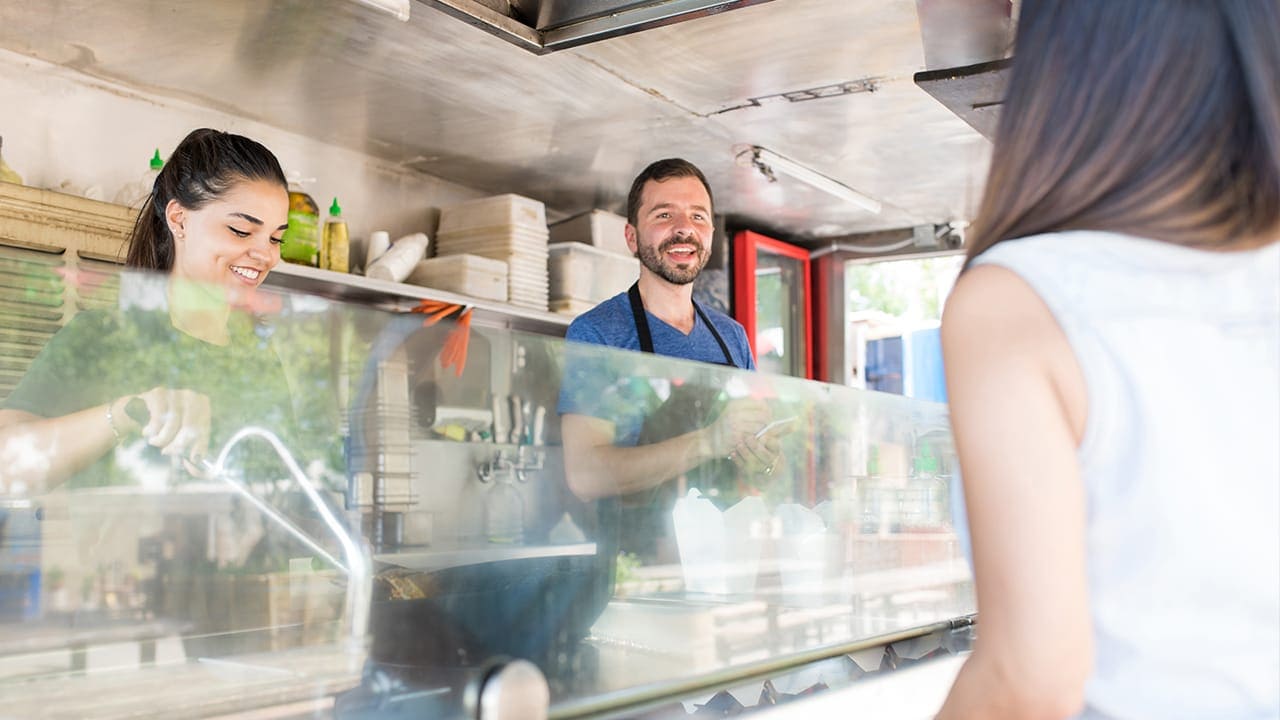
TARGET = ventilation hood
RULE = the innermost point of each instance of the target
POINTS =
(543, 26)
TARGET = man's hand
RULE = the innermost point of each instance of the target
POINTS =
(736, 435)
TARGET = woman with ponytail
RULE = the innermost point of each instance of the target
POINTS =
(1113, 365)
(212, 226)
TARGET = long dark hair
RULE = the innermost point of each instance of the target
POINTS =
(1157, 118)
(204, 166)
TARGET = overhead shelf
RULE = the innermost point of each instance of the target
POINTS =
(402, 296)
(54, 222)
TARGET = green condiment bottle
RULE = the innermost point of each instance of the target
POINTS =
(337, 245)
(134, 194)
(302, 238)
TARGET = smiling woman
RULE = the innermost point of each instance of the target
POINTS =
(213, 223)
(216, 213)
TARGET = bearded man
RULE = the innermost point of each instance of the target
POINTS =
(611, 449)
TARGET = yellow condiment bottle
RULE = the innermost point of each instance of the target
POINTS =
(8, 174)
(336, 248)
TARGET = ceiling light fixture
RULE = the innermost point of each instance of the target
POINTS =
(398, 9)
(770, 163)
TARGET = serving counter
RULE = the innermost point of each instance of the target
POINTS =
(385, 537)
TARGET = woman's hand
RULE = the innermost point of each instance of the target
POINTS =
(177, 421)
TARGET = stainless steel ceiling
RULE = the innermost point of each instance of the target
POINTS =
(569, 128)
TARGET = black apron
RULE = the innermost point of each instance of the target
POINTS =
(633, 523)
(646, 337)
(646, 515)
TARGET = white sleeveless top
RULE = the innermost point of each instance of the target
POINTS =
(1180, 351)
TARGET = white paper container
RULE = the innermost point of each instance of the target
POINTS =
(597, 228)
(583, 272)
(501, 252)
(525, 233)
(487, 249)
(719, 552)
(802, 555)
(569, 306)
(509, 209)
(491, 249)
(530, 304)
(466, 274)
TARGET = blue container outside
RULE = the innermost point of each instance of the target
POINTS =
(19, 560)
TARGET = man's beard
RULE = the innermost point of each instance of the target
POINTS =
(652, 258)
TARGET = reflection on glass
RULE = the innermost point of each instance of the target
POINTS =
(780, 338)
(486, 541)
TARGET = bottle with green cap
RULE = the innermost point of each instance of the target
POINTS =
(335, 250)
(135, 193)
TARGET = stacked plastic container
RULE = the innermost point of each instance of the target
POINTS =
(465, 274)
(508, 227)
(589, 262)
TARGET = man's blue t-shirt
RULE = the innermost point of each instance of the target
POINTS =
(610, 323)
(592, 388)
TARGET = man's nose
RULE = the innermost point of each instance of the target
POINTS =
(684, 226)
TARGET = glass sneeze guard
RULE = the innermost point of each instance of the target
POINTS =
(139, 584)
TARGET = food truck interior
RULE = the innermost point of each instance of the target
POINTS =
(398, 537)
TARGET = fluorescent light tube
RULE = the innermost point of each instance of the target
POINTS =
(769, 163)
(399, 9)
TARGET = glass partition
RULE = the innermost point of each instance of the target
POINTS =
(383, 507)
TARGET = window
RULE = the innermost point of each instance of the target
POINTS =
(894, 311)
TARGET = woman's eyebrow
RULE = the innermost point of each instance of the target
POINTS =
(246, 216)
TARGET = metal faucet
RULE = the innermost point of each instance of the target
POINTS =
(488, 468)
(522, 460)
(528, 459)
(359, 580)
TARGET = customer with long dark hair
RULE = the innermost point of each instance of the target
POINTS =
(1113, 365)
(213, 223)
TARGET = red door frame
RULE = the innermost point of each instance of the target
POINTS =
(745, 245)
(822, 269)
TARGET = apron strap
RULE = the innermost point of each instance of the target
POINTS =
(642, 323)
(719, 340)
(646, 338)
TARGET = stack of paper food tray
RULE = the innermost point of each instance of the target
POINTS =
(465, 274)
(598, 228)
(509, 228)
(585, 275)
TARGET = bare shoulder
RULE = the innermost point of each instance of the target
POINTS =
(993, 314)
(992, 300)
(995, 325)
